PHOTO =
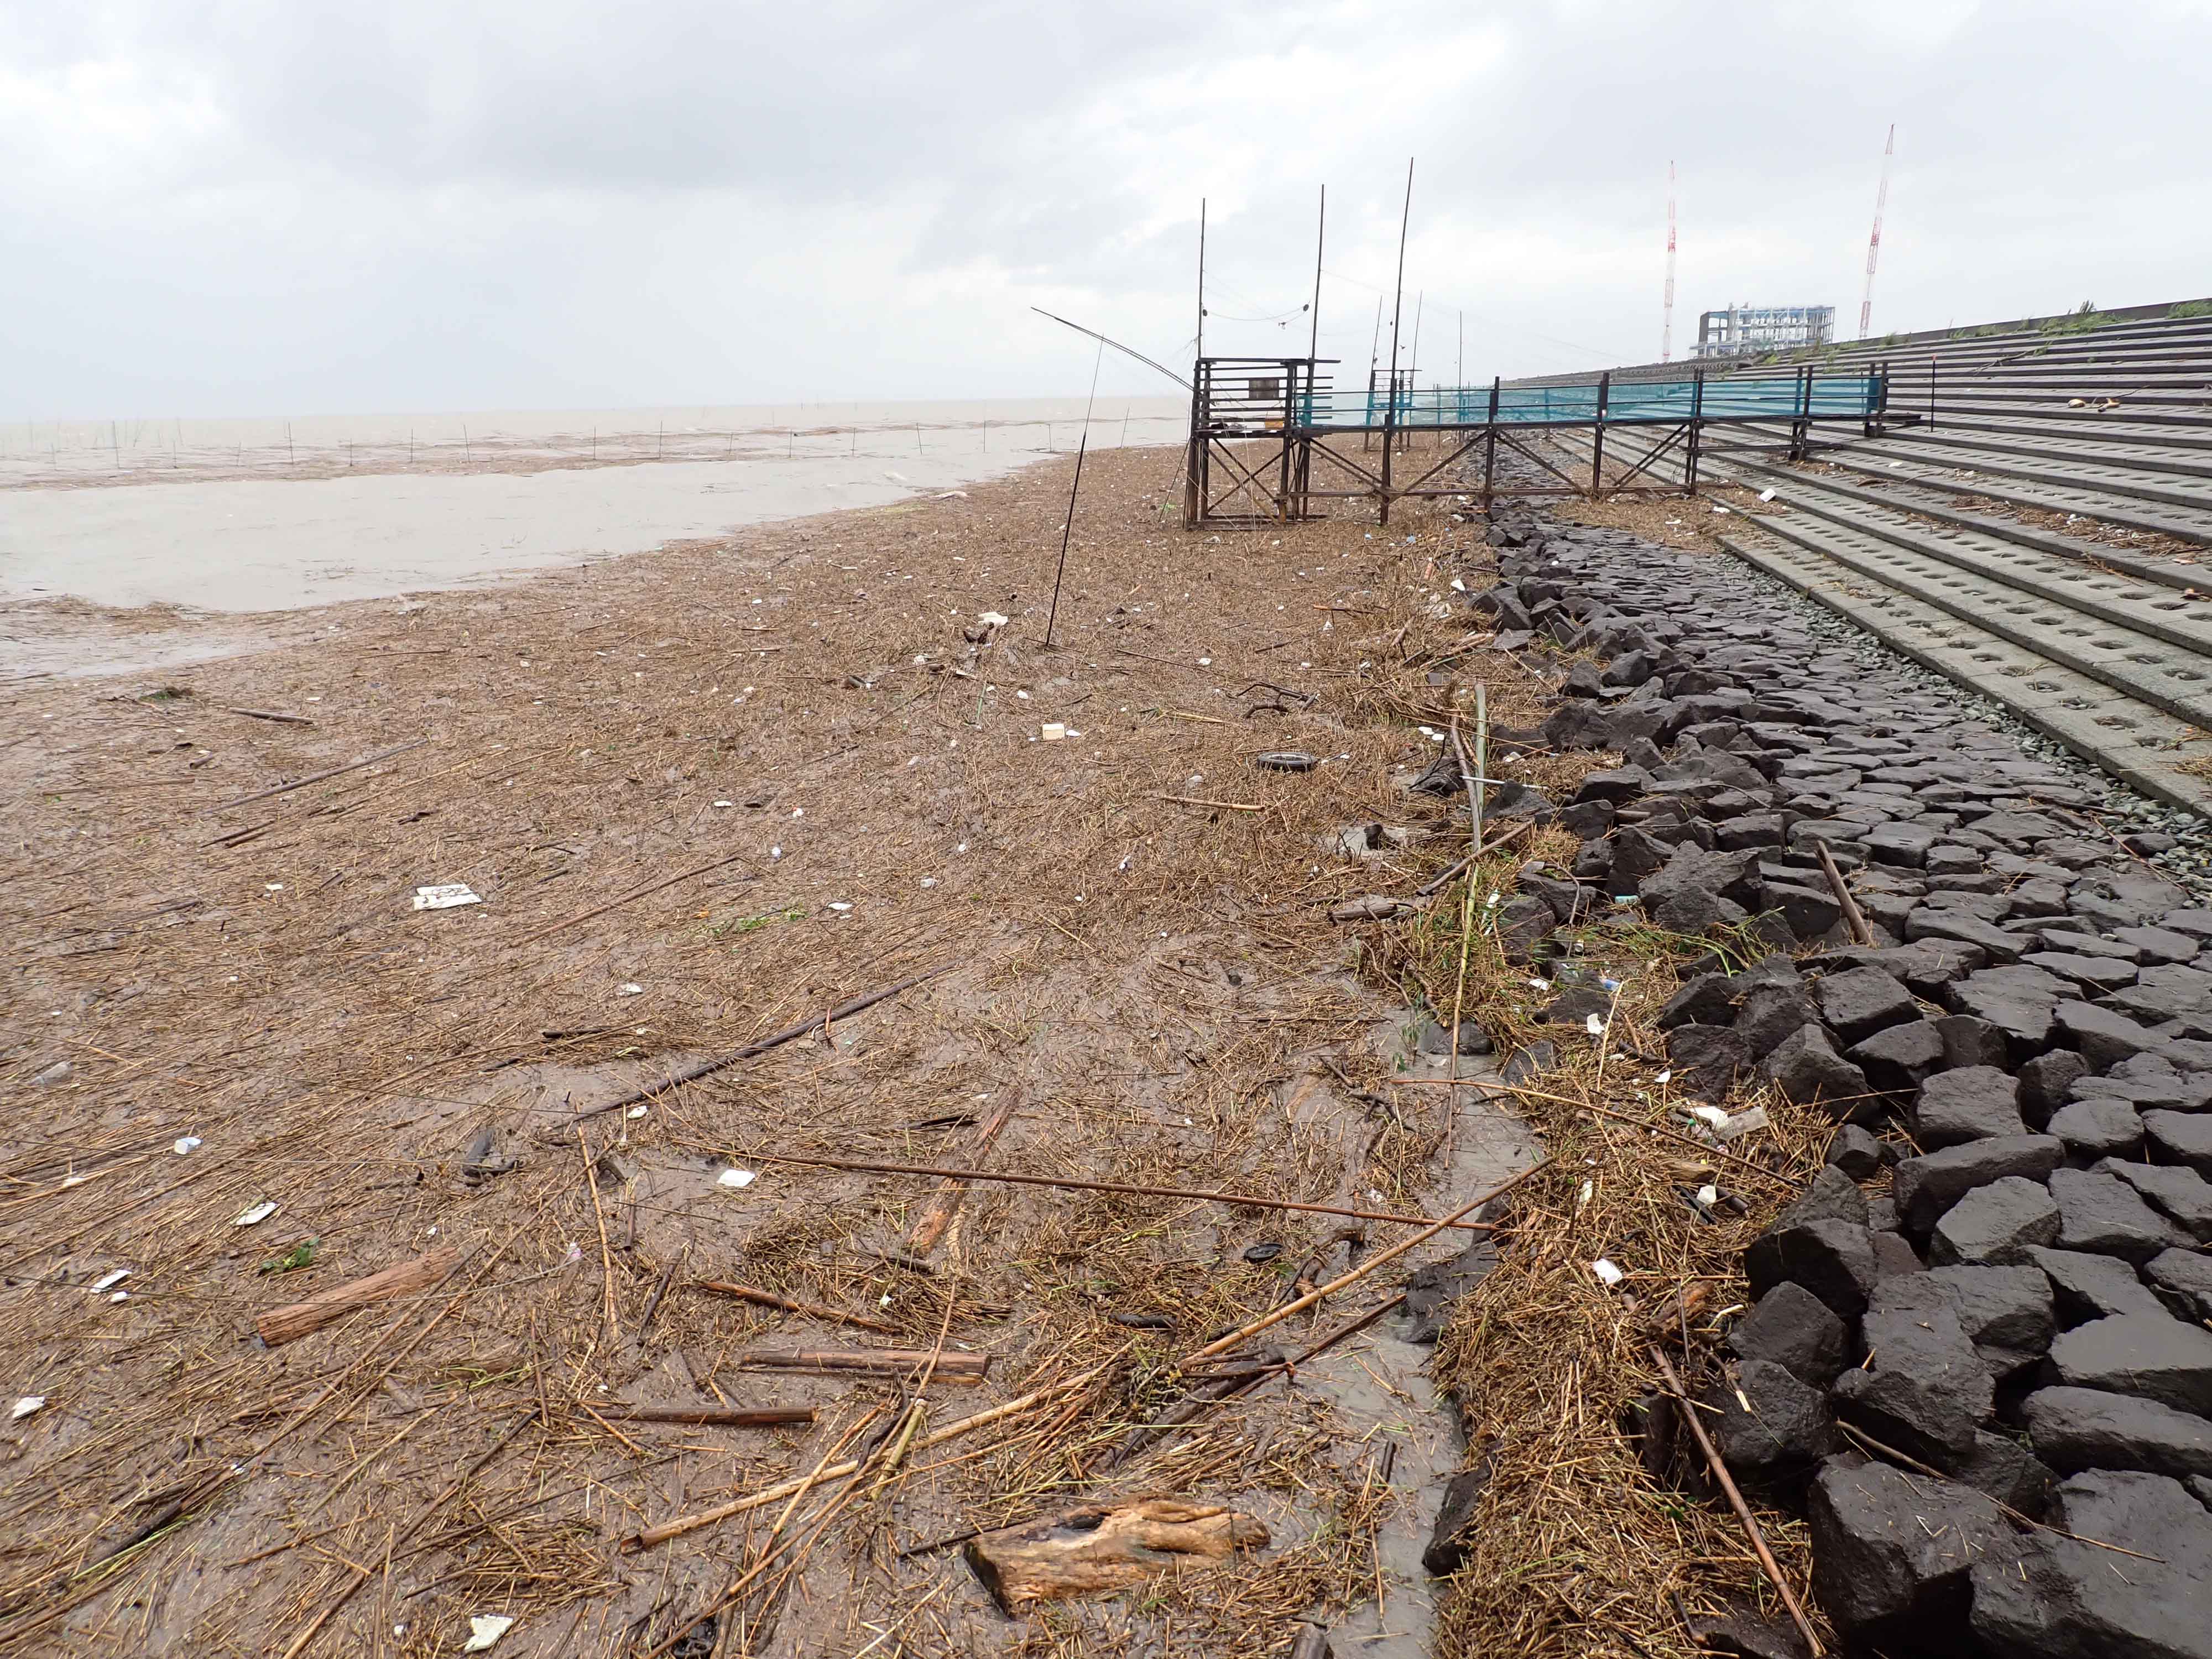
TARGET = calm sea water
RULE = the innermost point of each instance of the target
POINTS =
(265, 515)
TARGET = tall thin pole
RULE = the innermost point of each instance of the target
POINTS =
(1321, 229)
(1202, 275)
(1398, 302)
(1874, 242)
(1397, 316)
(1667, 325)
(1067, 530)
(1197, 451)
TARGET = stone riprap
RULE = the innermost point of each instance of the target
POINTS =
(2024, 1045)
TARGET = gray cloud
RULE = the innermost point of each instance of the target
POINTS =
(255, 207)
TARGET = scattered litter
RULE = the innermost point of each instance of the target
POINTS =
(109, 1281)
(1664, 1077)
(1287, 760)
(447, 897)
(1742, 1124)
(1374, 907)
(27, 1405)
(254, 1214)
(1767, 495)
(1588, 1191)
(301, 1254)
(1720, 511)
(953, 495)
(273, 887)
(1052, 732)
(1594, 1025)
(1712, 1116)
(187, 1145)
(989, 618)
(575, 1253)
(736, 1178)
(1708, 1195)
(486, 1628)
(839, 906)
(57, 1073)
(726, 803)
(1607, 1274)
(635, 1113)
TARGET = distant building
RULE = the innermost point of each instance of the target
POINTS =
(1764, 328)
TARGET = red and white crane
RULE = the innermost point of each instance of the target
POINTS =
(1667, 323)
(1874, 242)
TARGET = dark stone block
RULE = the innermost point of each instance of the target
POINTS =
(1996, 1223)
(2102, 1212)
(2183, 1280)
(1948, 923)
(2181, 1137)
(2006, 1311)
(2181, 1195)
(1785, 1433)
(1806, 1068)
(1833, 1260)
(2104, 1037)
(2140, 1354)
(1970, 1041)
(2085, 1285)
(1893, 1554)
(1447, 1550)
(1529, 1063)
(1770, 1013)
(1976, 1102)
(1706, 1060)
(1523, 922)
(2077, 1429)
(1811, 914)
(1927, 1186)
(1856, 1152)
(1792, 1327)
(1860, 1001)
(2102, 1126)
(2057, 1597)
(1898, 1057)
(2019, 1000)
(1923, 1390)
(2044, 1082)
(1705, 999)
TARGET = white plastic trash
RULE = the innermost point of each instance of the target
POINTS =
(27, 1405)
(736, 1178)
(254, 1214)
(447, 897)
(484, 1631)
(1607, 1274)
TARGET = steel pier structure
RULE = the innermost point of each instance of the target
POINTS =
(1270, 437)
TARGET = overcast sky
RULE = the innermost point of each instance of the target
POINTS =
(262, 208)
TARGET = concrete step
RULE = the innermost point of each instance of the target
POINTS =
(2078, 632)
(2143, 746)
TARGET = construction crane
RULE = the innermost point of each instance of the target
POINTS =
(1874, 242)
(1667, 323)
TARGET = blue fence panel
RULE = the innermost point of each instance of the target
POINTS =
(1777, 397)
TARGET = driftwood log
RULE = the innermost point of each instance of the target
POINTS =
(1105, 1546)
(759, 1298)
(289, 1323)
(950, 1367)
(719, 1417)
